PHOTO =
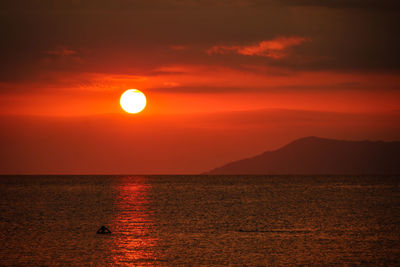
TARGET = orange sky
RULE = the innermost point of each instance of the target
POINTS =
(223, 80)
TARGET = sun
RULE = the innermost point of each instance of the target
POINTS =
(133, 101)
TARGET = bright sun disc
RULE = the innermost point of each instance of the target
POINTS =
(133, 101)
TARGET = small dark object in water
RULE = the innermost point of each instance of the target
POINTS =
(103, 230)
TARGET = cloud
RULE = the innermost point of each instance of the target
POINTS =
(276, 48)
(178, 47)
(61, 51)
(337, 3)
(162, 4)
(171, 84)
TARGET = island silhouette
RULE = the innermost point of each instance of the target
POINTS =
(321, 156)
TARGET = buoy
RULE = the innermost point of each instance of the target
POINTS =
(103, 230)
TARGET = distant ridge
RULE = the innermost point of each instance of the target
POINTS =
(314, 155)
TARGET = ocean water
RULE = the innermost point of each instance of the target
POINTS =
(200, 220)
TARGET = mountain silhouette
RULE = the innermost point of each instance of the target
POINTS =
(314, 155)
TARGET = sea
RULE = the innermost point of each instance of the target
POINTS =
(180, 220)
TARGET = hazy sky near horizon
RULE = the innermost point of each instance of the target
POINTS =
(224, 79)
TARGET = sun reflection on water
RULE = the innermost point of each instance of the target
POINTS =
(132, 235)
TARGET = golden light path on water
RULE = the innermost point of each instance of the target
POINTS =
(133, 242)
